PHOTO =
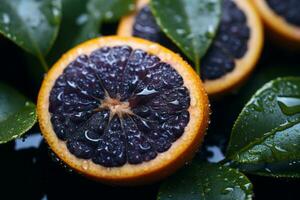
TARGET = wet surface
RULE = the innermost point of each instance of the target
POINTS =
(230, 43)
(29, 171)
(288, 9)
(119, 105)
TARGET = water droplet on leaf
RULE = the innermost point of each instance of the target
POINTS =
(81, 19)
(227, 190)
(5, 18)
(289, 105)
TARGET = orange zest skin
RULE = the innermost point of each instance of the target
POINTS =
(278, 29)
(165, 163)
(244, 66)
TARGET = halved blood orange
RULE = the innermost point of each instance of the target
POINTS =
(233, 54)
(123, 110)
(282, 20)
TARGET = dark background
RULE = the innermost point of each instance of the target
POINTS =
(30, 171)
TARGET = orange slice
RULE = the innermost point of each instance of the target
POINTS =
(278, 28)
(123, 110)
(234, 53)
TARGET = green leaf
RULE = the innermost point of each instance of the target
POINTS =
(33, 25)
(99, 11)
(82, 20)
(267, 131)
(206, 181)
(111, 11)
(191, 25)
(17, 114)
(277, 170)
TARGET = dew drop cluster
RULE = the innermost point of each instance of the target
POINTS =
(230, 42)
(153, 90)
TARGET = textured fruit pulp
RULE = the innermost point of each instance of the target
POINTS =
(288, 9)
(230, 43)
(119, 105)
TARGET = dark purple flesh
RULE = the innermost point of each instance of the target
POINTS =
(288, 9)
(154, 91)
(230, 43)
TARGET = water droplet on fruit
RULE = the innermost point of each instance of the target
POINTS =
(146, 92)
(153, 46)
(85, 165)
(193, 101)
(59, 96)
(86, 135)
(71, 84)
(175, 102)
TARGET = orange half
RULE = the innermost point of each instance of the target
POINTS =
(181, 151)
(282, 32)
(243, 67)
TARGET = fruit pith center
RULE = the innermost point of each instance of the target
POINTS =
(116, 106)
